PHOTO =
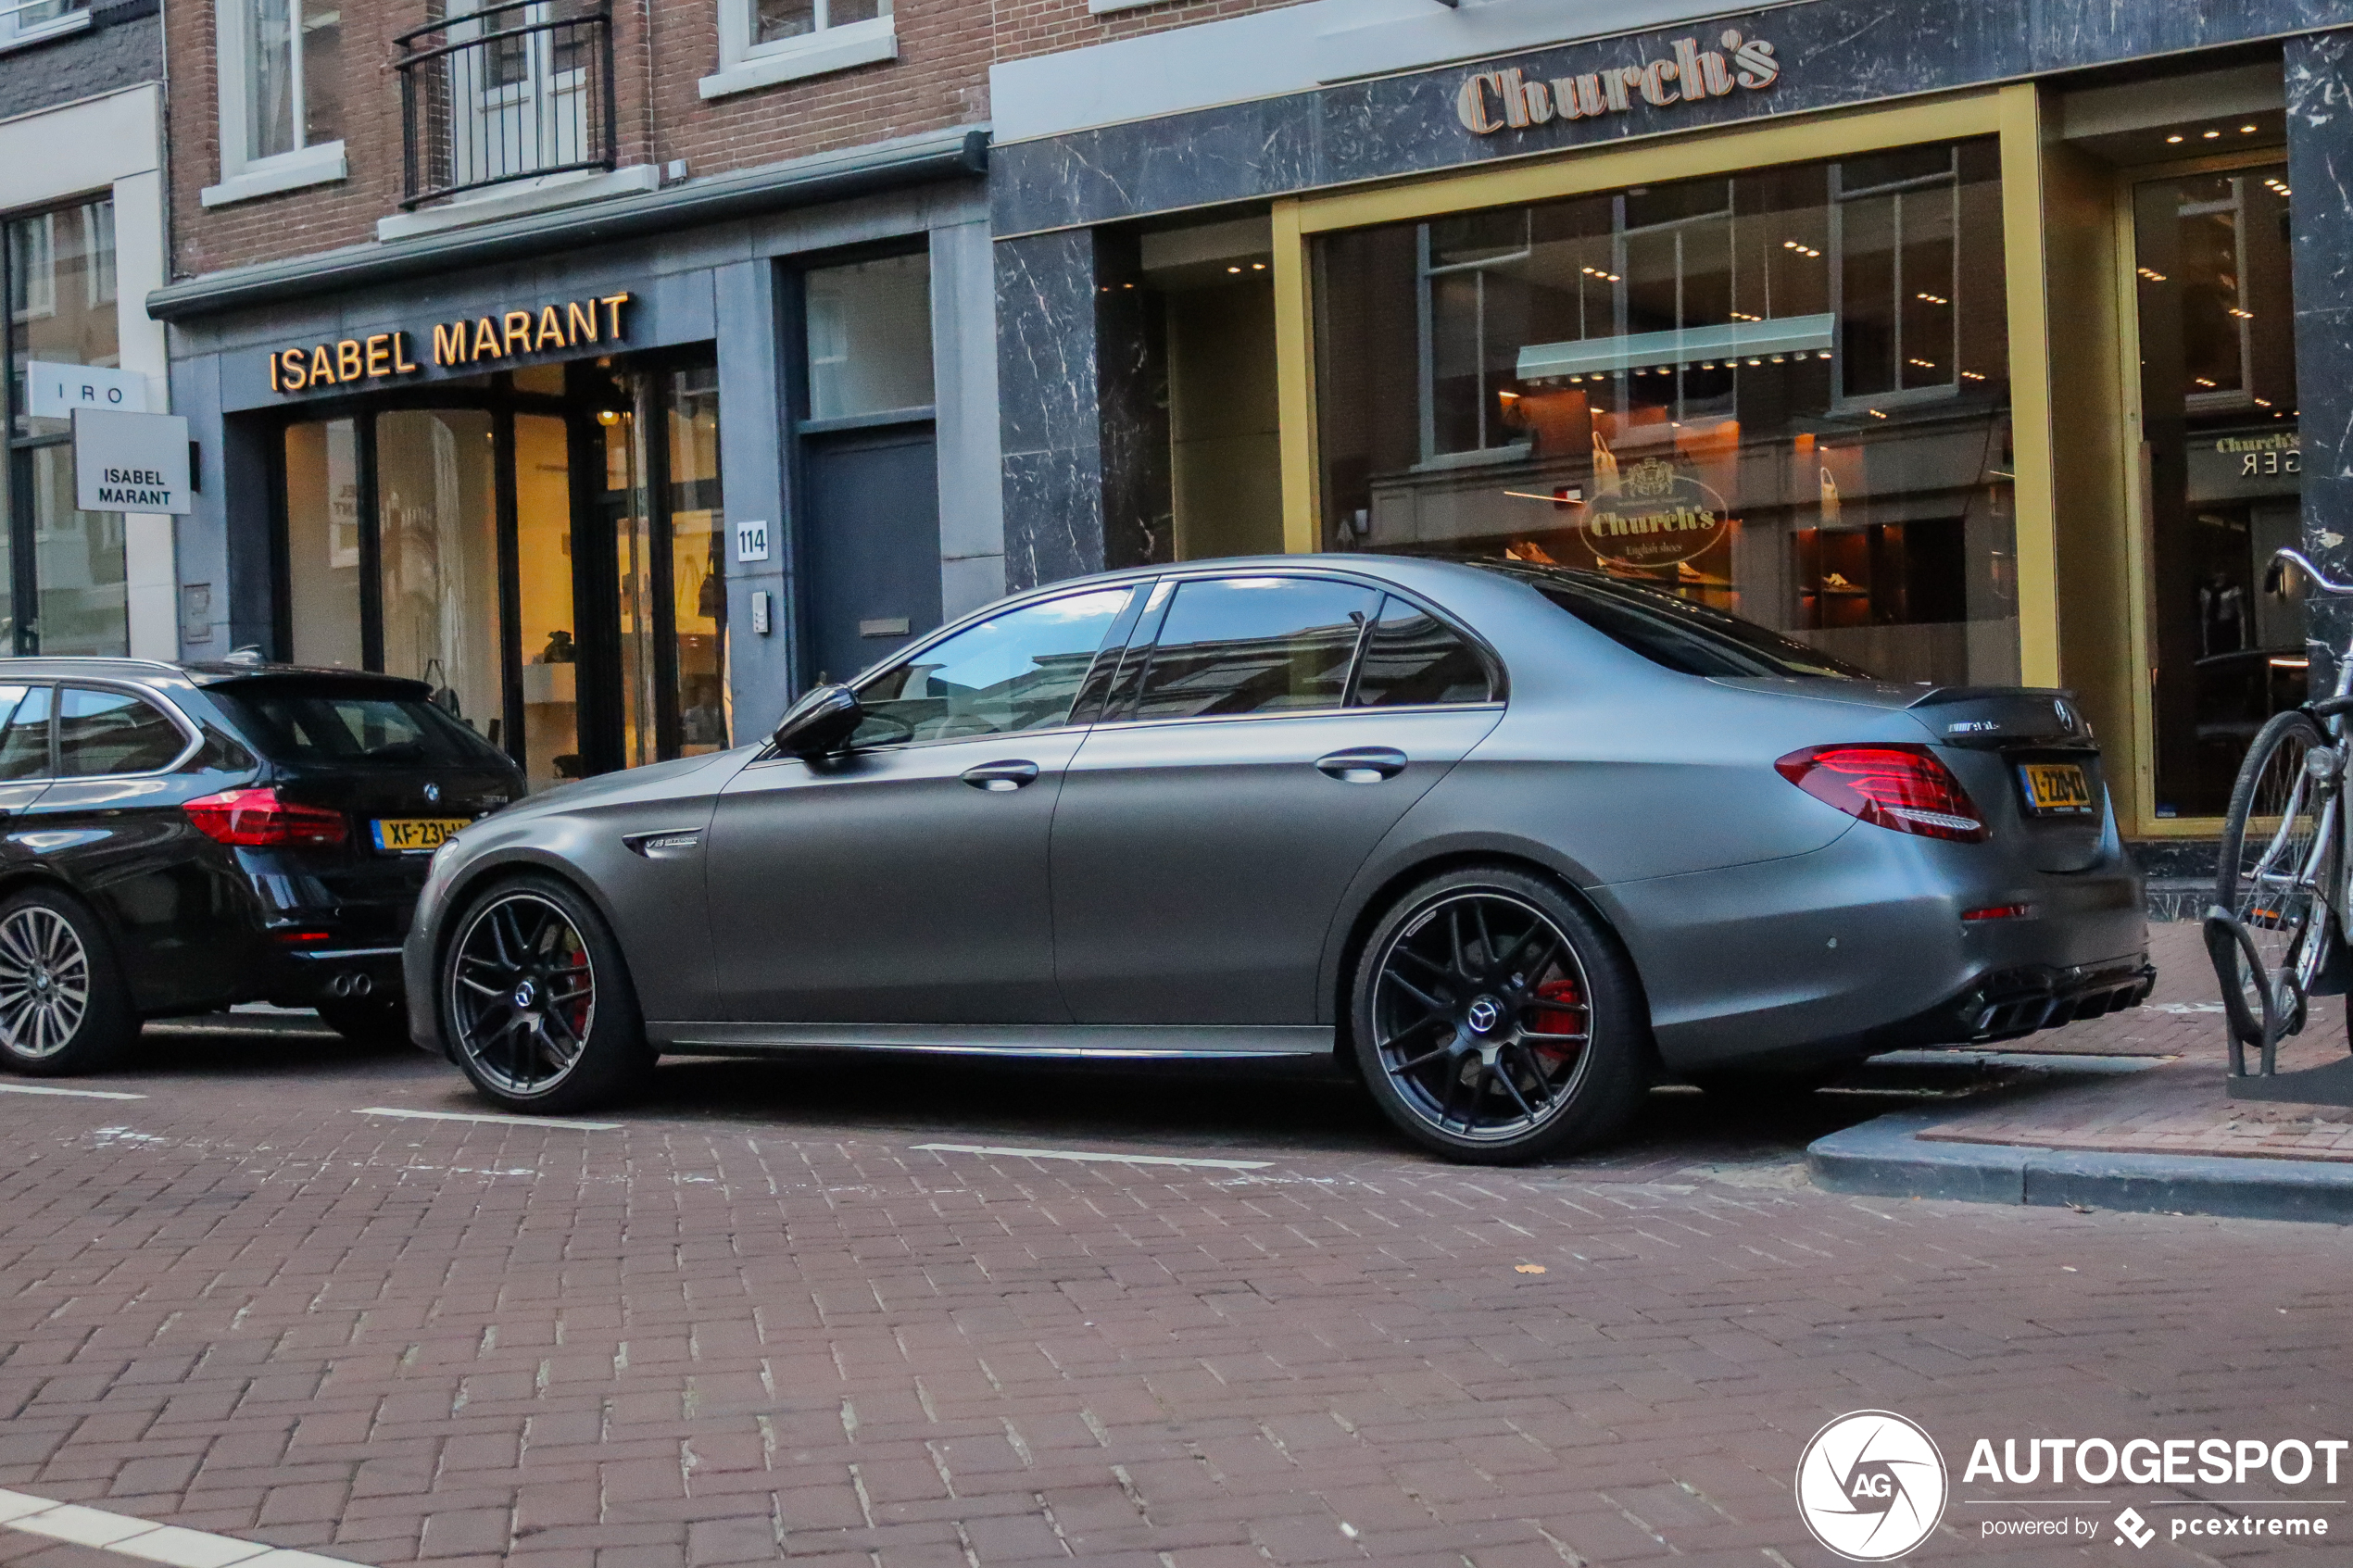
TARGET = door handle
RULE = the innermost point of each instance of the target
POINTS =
(999, 778)
(1364, 764)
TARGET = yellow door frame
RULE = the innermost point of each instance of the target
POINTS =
(2012, 112)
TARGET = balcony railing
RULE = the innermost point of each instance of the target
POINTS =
(506, 93)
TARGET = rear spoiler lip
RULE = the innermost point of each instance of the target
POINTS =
(1938, 696)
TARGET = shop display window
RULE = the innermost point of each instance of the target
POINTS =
(437, 577)
(2223, 471)
(1784, 393)
(63, 568)
(322, 544)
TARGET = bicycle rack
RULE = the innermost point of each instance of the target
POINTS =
(2332, 1085)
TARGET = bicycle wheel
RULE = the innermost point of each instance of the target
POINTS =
(2277, 846)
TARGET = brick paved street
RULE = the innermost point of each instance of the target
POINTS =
(755, 1323)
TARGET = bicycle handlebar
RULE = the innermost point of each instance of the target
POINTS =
(2319, 579)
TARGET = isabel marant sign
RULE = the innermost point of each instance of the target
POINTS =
(1490, 101)
(504, 337)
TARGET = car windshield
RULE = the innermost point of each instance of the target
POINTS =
(302, 721)
(1668, 629)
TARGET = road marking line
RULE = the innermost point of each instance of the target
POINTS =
(485, 1116)
(169, 1544)
(77, 1094)
(1095, 1158)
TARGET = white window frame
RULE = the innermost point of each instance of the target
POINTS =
(242, 175)
(744, 66)
(18, 33)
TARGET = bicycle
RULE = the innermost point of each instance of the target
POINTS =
(2277, 931)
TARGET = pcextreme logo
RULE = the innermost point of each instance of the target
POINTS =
(1872, 1485)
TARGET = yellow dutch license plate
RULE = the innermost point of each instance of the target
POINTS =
(413, 836)
(2057, 788)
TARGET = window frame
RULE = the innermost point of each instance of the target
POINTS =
(1144, 641)
(14, 34)
(745, 65)
(190, 735)
(244, 175)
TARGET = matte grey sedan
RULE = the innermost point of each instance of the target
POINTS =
(1511, 844)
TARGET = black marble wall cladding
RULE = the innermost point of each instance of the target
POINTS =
(1831, 53)
(1082, 378)
(1140, 524)
(1049, 400)
(2320, 174)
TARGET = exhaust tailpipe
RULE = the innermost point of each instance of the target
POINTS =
(350, 986)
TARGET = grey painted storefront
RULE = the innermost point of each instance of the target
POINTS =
(1058, 202)
(722, 281)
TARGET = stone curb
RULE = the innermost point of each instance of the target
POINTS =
(1887, 1158)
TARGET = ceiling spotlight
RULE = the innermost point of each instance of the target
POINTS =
(1236, 270)
(2211, 134)
(2246, 130)
(2171, 140)
(1258, 265)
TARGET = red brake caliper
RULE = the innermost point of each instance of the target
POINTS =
(1548, 1021)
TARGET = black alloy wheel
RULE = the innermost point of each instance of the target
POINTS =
(1494, 1020)
(538, 1005)
(62, 1003)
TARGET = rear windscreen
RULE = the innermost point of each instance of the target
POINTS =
(1668, 629)
(315, 724)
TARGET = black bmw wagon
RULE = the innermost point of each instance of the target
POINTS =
(180, 838)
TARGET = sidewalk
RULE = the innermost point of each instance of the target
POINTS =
(2162, 1136)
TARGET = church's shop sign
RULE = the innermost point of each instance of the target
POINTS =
(496, 340)
(1653, 515)
(1490, 101)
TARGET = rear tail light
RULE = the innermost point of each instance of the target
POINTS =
(1904, 788)
(256, 818)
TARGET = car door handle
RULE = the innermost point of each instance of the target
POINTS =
(999, 778)
(1364, 764)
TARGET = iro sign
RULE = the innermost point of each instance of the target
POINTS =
(131, 462)
(1490, 101)
(54, 391)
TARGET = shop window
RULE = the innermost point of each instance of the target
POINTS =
(2224, 470)
(661, 483)
(280, 90)
(322, 544)
(437, 589)
(870, 338)
(1783, 392)
(64, 568)
(763, 42)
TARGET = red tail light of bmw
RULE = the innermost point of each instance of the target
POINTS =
(256, 818)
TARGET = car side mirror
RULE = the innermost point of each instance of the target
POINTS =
(819, 722)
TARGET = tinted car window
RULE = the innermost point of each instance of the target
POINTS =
(1413, 658)
(24, 744)
(1254, 645)
(1018, 670)
(106, 731)
(1669, 630)
(361, 728)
